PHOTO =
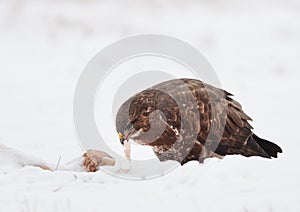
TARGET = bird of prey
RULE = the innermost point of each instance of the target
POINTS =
(187, 119)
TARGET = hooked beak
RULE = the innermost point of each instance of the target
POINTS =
(126, 137)
(122, 139)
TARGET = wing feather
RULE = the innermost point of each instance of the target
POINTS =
(223, 127)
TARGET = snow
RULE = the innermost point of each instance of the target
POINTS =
(254, 48)
(14, 158)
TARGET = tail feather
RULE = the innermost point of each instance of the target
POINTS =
(256, 146)
(252, 148)
(270, 148)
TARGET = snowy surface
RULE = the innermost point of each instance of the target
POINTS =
(254, 46)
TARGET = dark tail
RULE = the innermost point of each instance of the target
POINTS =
(259, 147)
(255, 146)
(270, 148)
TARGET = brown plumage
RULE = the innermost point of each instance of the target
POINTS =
(186, 119)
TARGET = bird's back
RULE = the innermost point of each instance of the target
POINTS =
(199, 121)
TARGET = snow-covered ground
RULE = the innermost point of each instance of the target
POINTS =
(254, 47)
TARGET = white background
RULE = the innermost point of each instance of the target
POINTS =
(254, 47)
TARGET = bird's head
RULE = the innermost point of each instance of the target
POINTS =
(125, 123)
(133, 120)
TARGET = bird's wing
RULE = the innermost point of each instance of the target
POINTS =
(209, 114)
(224, 125)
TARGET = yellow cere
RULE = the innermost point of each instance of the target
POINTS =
(121, 136)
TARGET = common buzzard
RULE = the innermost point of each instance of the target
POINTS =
(187, 119)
